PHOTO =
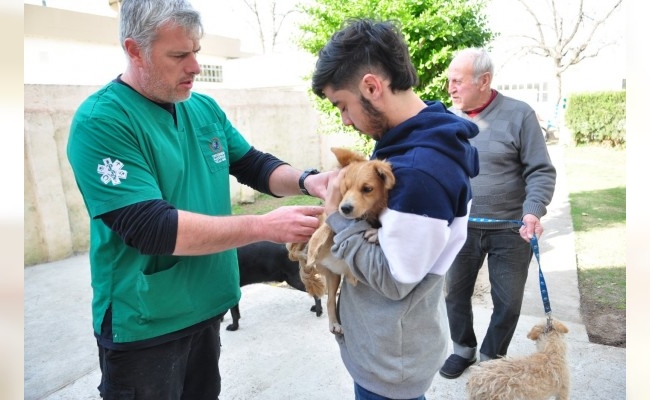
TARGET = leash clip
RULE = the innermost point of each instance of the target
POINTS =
(549, 321)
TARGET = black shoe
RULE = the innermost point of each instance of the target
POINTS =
(455, 366)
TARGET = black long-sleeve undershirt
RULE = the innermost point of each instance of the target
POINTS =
(149, 226)
(254, 169)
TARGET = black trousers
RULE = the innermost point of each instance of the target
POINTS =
(182, 369)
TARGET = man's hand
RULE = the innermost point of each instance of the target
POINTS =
(531, 226)
(292, 224)
(333, 196)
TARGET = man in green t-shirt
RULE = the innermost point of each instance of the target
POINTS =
(152, 161)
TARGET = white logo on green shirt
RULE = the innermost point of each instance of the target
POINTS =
(219, 155)
(111, 171)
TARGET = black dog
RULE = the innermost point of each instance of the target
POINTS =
(267, 262)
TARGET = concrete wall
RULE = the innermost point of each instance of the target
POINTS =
(281, 121)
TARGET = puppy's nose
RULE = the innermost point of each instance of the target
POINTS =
(346, 208)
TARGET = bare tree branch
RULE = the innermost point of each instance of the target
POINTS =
(268, 32)
(567, 37)
(252, 6)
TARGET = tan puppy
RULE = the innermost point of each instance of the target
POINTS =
(364, 186)
(538, 376)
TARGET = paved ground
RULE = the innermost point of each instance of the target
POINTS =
(283, 351)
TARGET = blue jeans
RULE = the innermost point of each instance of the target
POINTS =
(363, 394)
(508, 258)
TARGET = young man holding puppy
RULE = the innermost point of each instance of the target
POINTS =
(395, 329)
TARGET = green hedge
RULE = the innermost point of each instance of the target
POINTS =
(597, 117)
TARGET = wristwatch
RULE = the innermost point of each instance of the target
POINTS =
(301, 181)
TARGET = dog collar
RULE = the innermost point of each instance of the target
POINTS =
(301, 181)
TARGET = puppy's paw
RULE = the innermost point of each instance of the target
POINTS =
(371, 235)
(336, 328)
(352, 280)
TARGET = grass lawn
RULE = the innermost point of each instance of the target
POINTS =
(265, 203)
(596, 181)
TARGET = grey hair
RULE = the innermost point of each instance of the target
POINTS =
(481, 63)
(141, 19)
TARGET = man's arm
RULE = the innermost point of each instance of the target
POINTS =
(155, 227)
(266, 173)
(203, 234)
(540, 176)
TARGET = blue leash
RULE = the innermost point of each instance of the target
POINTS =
(535, 246)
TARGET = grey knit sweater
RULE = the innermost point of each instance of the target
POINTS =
(516, 174)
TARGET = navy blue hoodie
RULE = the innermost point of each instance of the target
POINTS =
(432, 160)
(395, 328)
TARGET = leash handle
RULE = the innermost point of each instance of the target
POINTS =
(542, 282)
(535, 247)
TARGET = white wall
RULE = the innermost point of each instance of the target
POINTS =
(270, 70)
(55, 62)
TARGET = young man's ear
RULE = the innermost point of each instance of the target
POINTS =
(371, 86)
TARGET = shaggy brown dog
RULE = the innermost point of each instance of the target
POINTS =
(364, 187)
(538, 376)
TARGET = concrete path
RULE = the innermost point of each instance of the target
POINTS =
(283, 351)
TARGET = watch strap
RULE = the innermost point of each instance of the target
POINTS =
(301, 181)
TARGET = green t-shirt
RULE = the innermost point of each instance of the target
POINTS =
(125, 149)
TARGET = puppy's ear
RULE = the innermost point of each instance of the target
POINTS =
(535, 333)
(346, 156)
(385, 172)
(560, 327)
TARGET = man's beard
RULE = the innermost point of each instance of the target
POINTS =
(160, 91)
(377, 123)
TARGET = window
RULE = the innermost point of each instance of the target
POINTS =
(210, 73)
(528, 91)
